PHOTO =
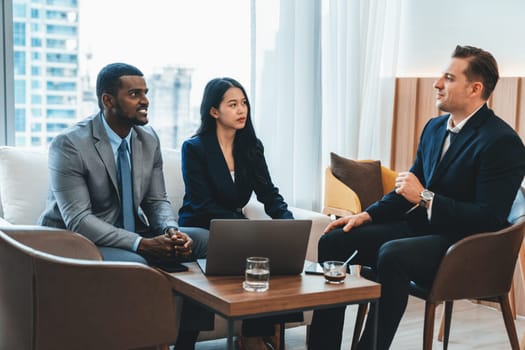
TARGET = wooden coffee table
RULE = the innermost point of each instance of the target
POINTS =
(225, 296)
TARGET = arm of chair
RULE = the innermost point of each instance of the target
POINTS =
(255, 210)
(319, 222)
(102, 305)
(468, 270)
(4, 222)
(54, 241)
(388, 179)
(339, 199)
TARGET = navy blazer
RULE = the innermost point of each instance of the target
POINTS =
(474, 184)
(211, 192)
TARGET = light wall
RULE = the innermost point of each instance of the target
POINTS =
(431, 29)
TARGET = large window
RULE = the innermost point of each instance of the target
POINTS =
(60, 45)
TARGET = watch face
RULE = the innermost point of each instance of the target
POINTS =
(427, 195)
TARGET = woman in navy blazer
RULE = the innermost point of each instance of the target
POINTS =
(222, 165)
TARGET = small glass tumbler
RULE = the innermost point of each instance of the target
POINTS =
(257, 274)
(334, 271)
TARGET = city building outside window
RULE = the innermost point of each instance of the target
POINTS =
(60, 45)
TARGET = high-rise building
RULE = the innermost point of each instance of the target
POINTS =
(46, 69)
(51, 91)
(170, 111)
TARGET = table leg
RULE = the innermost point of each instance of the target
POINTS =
(230, 335)
(281, 335)
(376, 322)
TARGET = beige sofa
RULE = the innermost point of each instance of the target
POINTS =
(24, 185)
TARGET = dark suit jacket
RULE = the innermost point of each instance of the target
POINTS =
(210, 190)
(83, 194)
(474, 184)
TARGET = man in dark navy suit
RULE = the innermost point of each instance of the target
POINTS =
(468, 168)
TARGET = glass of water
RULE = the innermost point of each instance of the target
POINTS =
(257, 274)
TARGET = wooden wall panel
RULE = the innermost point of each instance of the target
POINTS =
(426, 107)
(504, 100)
(403, 132)
(520, 115)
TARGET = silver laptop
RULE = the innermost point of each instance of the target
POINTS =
(231, 241)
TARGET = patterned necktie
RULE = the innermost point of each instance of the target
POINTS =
(126, 192)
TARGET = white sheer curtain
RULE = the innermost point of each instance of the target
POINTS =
(359, 59)
(287, 103)
(323, 80)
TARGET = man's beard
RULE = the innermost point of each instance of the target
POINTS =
(122, 116)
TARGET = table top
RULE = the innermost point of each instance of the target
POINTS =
(225, 294)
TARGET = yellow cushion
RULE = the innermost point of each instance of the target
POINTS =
(341, 200)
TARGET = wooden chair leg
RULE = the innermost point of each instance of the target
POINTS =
(441, 326)
(359, 321)
(521, 264)
(441, 330)
(428, 330)
(509, 321)
(512, 300)
(447, 316)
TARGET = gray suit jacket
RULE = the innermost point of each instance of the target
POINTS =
(83, 189)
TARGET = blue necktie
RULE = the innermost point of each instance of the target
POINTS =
(126, 192)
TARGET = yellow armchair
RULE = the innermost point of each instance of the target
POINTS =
(341, 200)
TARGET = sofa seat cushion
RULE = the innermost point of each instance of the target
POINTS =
(23, 184)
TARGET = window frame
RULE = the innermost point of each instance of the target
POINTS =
(7, 105)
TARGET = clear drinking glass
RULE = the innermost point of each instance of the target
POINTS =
(257, 274)
(334, 271)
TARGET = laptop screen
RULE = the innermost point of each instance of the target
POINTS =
(231, 241)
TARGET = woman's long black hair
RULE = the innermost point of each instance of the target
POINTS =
(245, 144)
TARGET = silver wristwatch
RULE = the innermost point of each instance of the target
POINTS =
(426, 197)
